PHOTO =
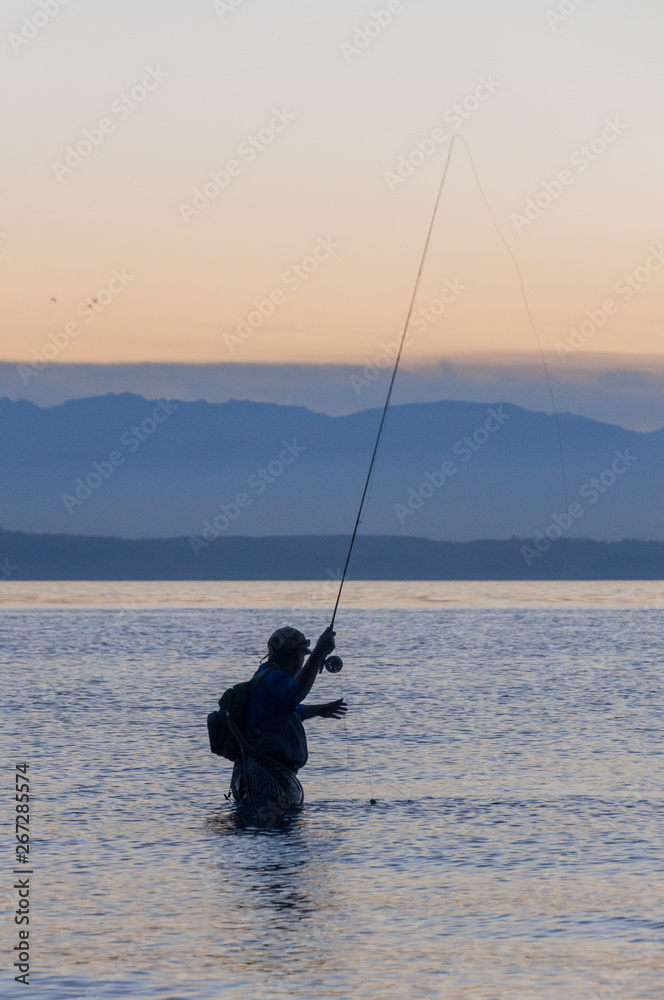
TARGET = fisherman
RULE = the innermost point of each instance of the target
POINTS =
(275, 741)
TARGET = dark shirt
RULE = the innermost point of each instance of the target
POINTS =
(274, 697)
(274, 721)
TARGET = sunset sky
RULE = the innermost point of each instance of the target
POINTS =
(333, 112)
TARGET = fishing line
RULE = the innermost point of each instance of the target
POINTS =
(362, 744)
(343, 717)
(380, 432)
(364, 750)
(403, 339)
(549, 382)
(392, 380)
(395, 369)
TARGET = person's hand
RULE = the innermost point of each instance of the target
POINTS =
(325, 644)
(334, 709)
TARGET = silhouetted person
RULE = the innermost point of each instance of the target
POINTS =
(275, 741)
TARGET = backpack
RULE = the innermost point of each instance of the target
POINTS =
(226, 726)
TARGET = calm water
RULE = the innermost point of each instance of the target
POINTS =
(511, 734)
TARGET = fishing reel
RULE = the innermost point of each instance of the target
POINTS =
(333, 664)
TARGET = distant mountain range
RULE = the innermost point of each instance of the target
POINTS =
(618, 389)
(121, 465)
(320, 558)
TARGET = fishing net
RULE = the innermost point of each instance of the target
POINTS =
(265, 782)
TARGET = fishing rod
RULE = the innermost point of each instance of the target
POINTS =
(336, 664)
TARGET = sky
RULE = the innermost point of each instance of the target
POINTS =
(305, 248)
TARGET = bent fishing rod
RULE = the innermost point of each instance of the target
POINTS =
(334, 663)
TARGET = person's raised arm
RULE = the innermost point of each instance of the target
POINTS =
(306, 675)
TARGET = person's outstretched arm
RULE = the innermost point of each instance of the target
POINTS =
(330, 710)
(306, 675)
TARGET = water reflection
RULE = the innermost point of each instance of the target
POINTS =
(277, 888)
(242, 819)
